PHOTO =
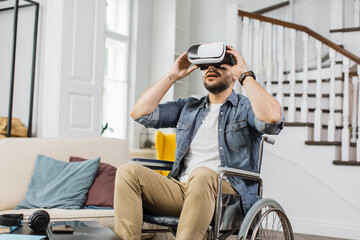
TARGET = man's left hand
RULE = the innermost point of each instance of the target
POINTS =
(239, 67)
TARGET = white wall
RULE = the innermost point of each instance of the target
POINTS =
(253, 5)
(208, 24)
(315, 15)
(319, 197)
(163, 41)
(140, 65)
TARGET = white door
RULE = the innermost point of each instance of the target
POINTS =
(82, 68)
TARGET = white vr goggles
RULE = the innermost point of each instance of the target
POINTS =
(209, 54)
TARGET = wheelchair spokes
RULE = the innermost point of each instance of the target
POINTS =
(271, 224)
(266, 220)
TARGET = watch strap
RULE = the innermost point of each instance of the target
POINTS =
(245, 75)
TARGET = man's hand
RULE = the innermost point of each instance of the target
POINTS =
(149, 101)
(181, 67)
(265, 107)
(239, 67)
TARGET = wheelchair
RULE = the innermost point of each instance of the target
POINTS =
(266, 219)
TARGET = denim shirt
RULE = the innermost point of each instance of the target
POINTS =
(239, 135)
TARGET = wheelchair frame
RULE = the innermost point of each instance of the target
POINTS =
(247, 225)
(226, 171)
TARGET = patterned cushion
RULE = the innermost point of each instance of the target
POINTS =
(58, 184)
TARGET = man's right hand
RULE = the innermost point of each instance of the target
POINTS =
(181, 67)
(149, 101)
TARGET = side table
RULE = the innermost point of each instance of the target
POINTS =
(87, 230)
(143, 153)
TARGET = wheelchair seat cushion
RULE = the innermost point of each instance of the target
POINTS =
(161, 220)
(231, 214)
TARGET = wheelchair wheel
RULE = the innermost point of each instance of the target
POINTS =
(266, 220)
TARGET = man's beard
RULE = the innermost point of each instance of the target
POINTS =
(218, 87)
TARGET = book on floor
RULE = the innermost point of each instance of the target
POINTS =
(7, 229)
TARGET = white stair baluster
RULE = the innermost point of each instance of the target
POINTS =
(273, 52)
(245, 33)
(356, 13)
(245, 45)
(331, 122)
(257, 48)
(264, 52)
(345, 133)
(318, 110)
(249, 57)
(355, 82)
(261, 55)
(268, 65)
(280, 94)
(304, 106)
(358, 130)
(291, 108)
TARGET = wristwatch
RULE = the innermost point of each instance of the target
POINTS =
(245, 75)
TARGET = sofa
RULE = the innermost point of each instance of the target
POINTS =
(17, 161)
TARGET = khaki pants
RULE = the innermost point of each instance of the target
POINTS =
(137, 187)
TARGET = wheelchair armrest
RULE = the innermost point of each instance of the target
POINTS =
(239, 173)
(154, 164)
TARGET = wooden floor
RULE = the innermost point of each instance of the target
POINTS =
(304, 237)
(312, 237)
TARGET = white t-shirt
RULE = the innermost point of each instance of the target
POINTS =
(203, 150)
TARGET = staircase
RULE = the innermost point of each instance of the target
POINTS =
(316, 90)
(313, 168)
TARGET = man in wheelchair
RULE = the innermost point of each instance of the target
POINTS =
(220, 129)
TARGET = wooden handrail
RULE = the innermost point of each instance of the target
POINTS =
(312, 33)
(272, 8)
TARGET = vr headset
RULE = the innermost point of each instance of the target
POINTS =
(209, 54)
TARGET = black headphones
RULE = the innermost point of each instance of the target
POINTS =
(38, 221)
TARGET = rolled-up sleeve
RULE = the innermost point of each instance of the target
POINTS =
(150, 120)
(165, 115)
(263, 127)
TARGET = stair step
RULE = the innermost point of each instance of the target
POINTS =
(353, 74)
(313, 110)
(297, 124)
(308, 124)
(327, 65)
(346, 163)
(309, 80)
(313, 73)
(326, 143)
(311, 95)
(299, 88)
(311, 100)
(353, 29)
(338, 118)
